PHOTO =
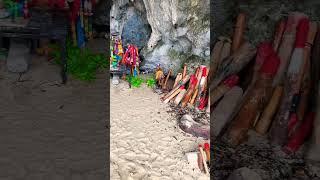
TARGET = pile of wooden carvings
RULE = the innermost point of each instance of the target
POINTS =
(188, 89)
(273, 95)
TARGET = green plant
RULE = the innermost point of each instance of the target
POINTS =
(8, 3)
(151, 82)
(134, 81)
(82, 63)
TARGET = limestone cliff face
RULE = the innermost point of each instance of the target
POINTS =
(168, 32)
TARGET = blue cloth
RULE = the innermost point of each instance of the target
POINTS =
(20, 9)
(135, 72)
(80, 34)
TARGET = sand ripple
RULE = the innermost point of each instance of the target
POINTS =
(146, 142)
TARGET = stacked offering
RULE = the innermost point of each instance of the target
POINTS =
(188, 89)
(279, 87)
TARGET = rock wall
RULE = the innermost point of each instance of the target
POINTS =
(168, 32)
(101, 15)
(263, 16)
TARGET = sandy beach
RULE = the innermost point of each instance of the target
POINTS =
(146, 142)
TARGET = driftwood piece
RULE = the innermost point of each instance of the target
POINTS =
(188, 125)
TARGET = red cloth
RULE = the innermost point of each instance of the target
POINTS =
(206, 146)
(57, 3)
(301, 134)
(131, 52)
(193, 81)
(93, 2)
(270, 65)
(302, 33)
(292, 121)
(231, 81)
(203, 103)
(204, 71)
(74, 10)
(265, 49)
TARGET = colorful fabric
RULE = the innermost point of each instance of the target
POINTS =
(131, 59)
(116, 52)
